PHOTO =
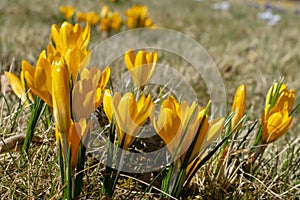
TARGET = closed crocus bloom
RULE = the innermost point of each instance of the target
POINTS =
(90, 17)
(276, 119)
(61, 97)
(18, 86)
(238, 106)
(128, 114)
(70, 36)
(275, 124)
(67, 11)
(78, 132)
(140, 66)
(115, 21)
(191, 134)
(104, 24)
(39, 79)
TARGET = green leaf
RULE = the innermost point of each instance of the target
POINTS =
(36, 113)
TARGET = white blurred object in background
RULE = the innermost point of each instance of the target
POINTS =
(269, 17)
(224, 5)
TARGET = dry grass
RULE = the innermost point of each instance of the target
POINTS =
(245, 49)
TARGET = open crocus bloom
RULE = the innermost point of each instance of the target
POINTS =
(128, 114)
(69, 37)
(177, 125)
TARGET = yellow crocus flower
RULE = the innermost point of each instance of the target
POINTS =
(78, 132)
(109, 20)
(127, 113)
(71, 43)
(115, 21)
(18, 86)
(67, 11)
(61, 97)
(104, 24)
(238, 106)
(39, 79)
(172, 121)
(70, 36)
(214, 131)
(138, 16)
(140, 66)
(76, 59)
(87, 92)
(90, 17)
(275, 123)
(276, 120)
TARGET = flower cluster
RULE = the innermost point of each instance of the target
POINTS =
(63, 81)
(137, 16)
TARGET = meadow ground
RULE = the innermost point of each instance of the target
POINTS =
(245, 49)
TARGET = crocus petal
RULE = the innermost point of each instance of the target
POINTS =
(107, 104)
(126, 113)
(286, 100)
(167, 127)
(238, 106)
(104, 78)
(16, 85)
(277, 125)
(73, 140)
(77, 132)
(104, 11)
(129, 59)
(272, 91)
(61, 97)
(144, 107)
